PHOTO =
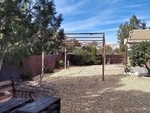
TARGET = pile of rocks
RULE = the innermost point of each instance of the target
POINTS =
(137, 70)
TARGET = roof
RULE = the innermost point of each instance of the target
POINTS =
(139, 34)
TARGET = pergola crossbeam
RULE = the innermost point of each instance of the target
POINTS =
(84, 37)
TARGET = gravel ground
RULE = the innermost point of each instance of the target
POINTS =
(82, 91)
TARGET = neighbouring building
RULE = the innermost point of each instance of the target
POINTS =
(136, 36)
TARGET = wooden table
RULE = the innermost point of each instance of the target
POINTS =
(12, 104)
(46, 105)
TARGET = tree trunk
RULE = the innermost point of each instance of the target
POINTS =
(148, 69)
(1, 59)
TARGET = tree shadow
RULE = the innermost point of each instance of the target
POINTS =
(89, 94)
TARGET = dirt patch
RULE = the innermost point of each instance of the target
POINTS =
(82, 91)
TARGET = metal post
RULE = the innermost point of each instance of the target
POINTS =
(126, 54)
(65, 56)
(103, 57)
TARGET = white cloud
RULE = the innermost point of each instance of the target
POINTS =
(91, 24)
(108, 2)
(108, 30)
(106, 16)
(65, 7)
(133, 6)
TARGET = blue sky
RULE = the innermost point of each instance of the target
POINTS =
(101, 15)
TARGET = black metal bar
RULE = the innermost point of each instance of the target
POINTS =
(82, 40)
(83, 33)
(84, 37)
(103, 44)
(103, 65)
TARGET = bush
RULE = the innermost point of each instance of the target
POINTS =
(90, 62)
(61, 63)
(84, 57)
(140, 54)
(127, 69)
(26, 76)
(80, 57)
(98, 59)
(48, 70)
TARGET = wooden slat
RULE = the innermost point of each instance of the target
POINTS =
(39, 105)
(6, 89)
(56, 111)
(24, 91)
(12, 104)
(6, 86)
(53, 107)
(6, 96)
(7, 82)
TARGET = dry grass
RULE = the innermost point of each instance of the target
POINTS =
(88, 94)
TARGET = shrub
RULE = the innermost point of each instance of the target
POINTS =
(48, 70)
(98, 59)
(61, 63)
(84, 57)
(140, 54)
(80, 57)
(27, 76)
(127, 69)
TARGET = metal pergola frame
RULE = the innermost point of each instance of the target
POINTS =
(81, 38)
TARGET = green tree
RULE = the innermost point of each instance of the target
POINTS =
(140, 55)
(81, 57)
(28, 28)
(14, 25)
(93, 53)
(46, 24)
(123, 33)
(117, 50)
(124, 29)
(108, 49)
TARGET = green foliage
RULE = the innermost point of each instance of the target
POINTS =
(17, 54)
(46, 24)
(93, 53)
(127, 69)
(124, 29)
(27, 76)
(61, 63)
(98, 59)
(28, 28)
(81, 57)
(140, 54)
(108, 49)
(87, 56)
(48, 70)
(14, 24)
(117, 50)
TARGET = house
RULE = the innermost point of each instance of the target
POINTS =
(136, 36)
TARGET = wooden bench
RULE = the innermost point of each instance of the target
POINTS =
(43, 105)
(10, 105)
(8, 90)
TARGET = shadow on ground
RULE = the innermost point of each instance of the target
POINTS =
(88, 94)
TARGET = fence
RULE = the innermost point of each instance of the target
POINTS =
(32, 64)
(114, 59)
